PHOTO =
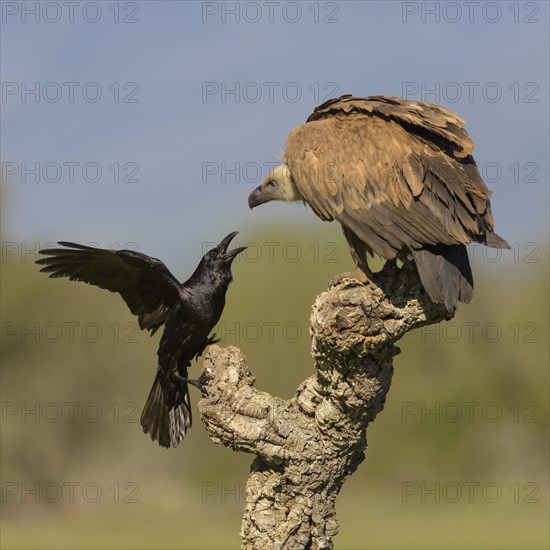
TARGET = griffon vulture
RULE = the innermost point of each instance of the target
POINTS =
(400, 178)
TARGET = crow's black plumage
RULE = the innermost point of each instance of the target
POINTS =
(189, 312)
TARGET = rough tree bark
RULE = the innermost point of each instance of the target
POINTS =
(307, 446)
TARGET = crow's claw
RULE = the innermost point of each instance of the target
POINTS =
(204, 378)
(208, 342)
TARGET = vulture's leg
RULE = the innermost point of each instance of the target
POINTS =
(388, 275)
(359, 250)
(390, 267)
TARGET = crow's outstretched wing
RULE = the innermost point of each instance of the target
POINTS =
(145, 283)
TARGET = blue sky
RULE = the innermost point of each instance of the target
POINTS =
(175, 61)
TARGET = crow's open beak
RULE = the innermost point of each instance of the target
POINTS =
(233, 253)
(224, 245)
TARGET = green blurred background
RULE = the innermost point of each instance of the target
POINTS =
(457, 459)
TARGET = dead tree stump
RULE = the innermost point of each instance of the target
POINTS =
(307, 446)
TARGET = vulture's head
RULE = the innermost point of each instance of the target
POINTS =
(277, 186)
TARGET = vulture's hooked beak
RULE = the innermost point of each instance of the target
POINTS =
(256, 198)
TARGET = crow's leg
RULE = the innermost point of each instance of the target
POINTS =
(195, 383)
(390, 268)
(200, 383)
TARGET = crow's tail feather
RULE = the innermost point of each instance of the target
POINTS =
(166, 416)
(445, 273)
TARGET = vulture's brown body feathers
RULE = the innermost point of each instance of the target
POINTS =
(399, 176)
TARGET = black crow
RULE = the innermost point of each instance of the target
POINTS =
(189, 312)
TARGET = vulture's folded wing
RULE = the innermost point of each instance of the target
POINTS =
(396, 172)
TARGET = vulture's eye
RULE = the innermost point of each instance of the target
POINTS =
(271, 183)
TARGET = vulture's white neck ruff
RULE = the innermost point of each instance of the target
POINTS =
(286, 188)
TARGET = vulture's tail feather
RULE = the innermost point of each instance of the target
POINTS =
(445, 274)
(166, 416)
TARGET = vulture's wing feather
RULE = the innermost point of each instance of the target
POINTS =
(396, 172)
(145, 283)
(430, 122)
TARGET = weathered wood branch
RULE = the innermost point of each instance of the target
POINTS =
(307, 446)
